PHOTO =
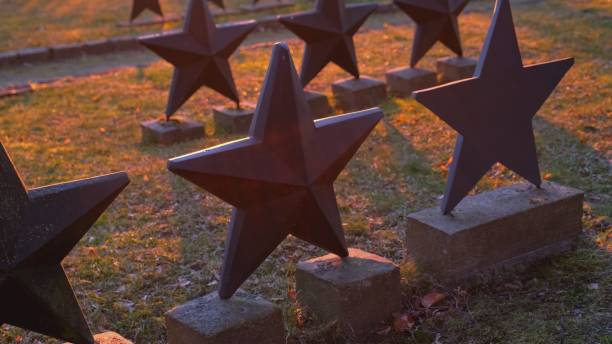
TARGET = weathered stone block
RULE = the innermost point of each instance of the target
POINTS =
(358, 292)
(319, 104)
(455, 68)
(175, 130)
(66, 51)
(359, 94)
(34, 55)
(495, 229)
(241, 319)
(404, 81)
(233, 120)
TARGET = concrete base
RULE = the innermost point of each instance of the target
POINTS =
(496, 229)
(404, 81)
(241, 319)
(110, 338)
(455, 68)
(232, 120)
(319, 104)
(168, 132)
(266, 5)
(358, 292)
(359, 94)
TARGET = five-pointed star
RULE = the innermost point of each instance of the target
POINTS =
(199, 54)
(493, 111)
(280, 178)
(436, 21)
(140, 6)
(328, 32)
(38, 228)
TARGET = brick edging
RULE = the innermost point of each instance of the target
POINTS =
(116, 44)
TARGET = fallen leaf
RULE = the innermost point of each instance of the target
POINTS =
(432, 299)
(404, 323)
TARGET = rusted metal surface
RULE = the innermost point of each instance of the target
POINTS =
(38, 228)
(199, 54)
(280, 178)
(493, 111)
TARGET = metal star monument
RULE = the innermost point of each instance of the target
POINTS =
(38, 228)
(328, 32)
(436, 20)
(140, 6)
(493, 111)
(199, 54)
(280, 178)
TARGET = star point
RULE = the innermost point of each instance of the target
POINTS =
(280, 178)
(140, 6)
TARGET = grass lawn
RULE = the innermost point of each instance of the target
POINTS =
(161, 243)
(35, 23)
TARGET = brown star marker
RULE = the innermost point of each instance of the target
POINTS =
(199, 54)
(140, 6)
(328, 32)
(493, 111)
(280, 178)
(436, 21)
(38, 228)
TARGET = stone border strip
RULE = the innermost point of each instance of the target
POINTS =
(116, 44)
(245, 9)
(15, 90)
(18, 89)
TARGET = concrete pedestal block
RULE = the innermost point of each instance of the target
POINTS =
(359, 94)
(358, 292)
(319, 104)
(241, 319)
(404, 81)
(496, 229)
(233, 120)
(177, 129)
(455, 68)
(266, 5)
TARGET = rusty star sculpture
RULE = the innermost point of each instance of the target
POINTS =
(280, 178)
(493, 111)
(199, 54)
(38, 228)
(436, 20)
(328, 32)
(140, 6)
